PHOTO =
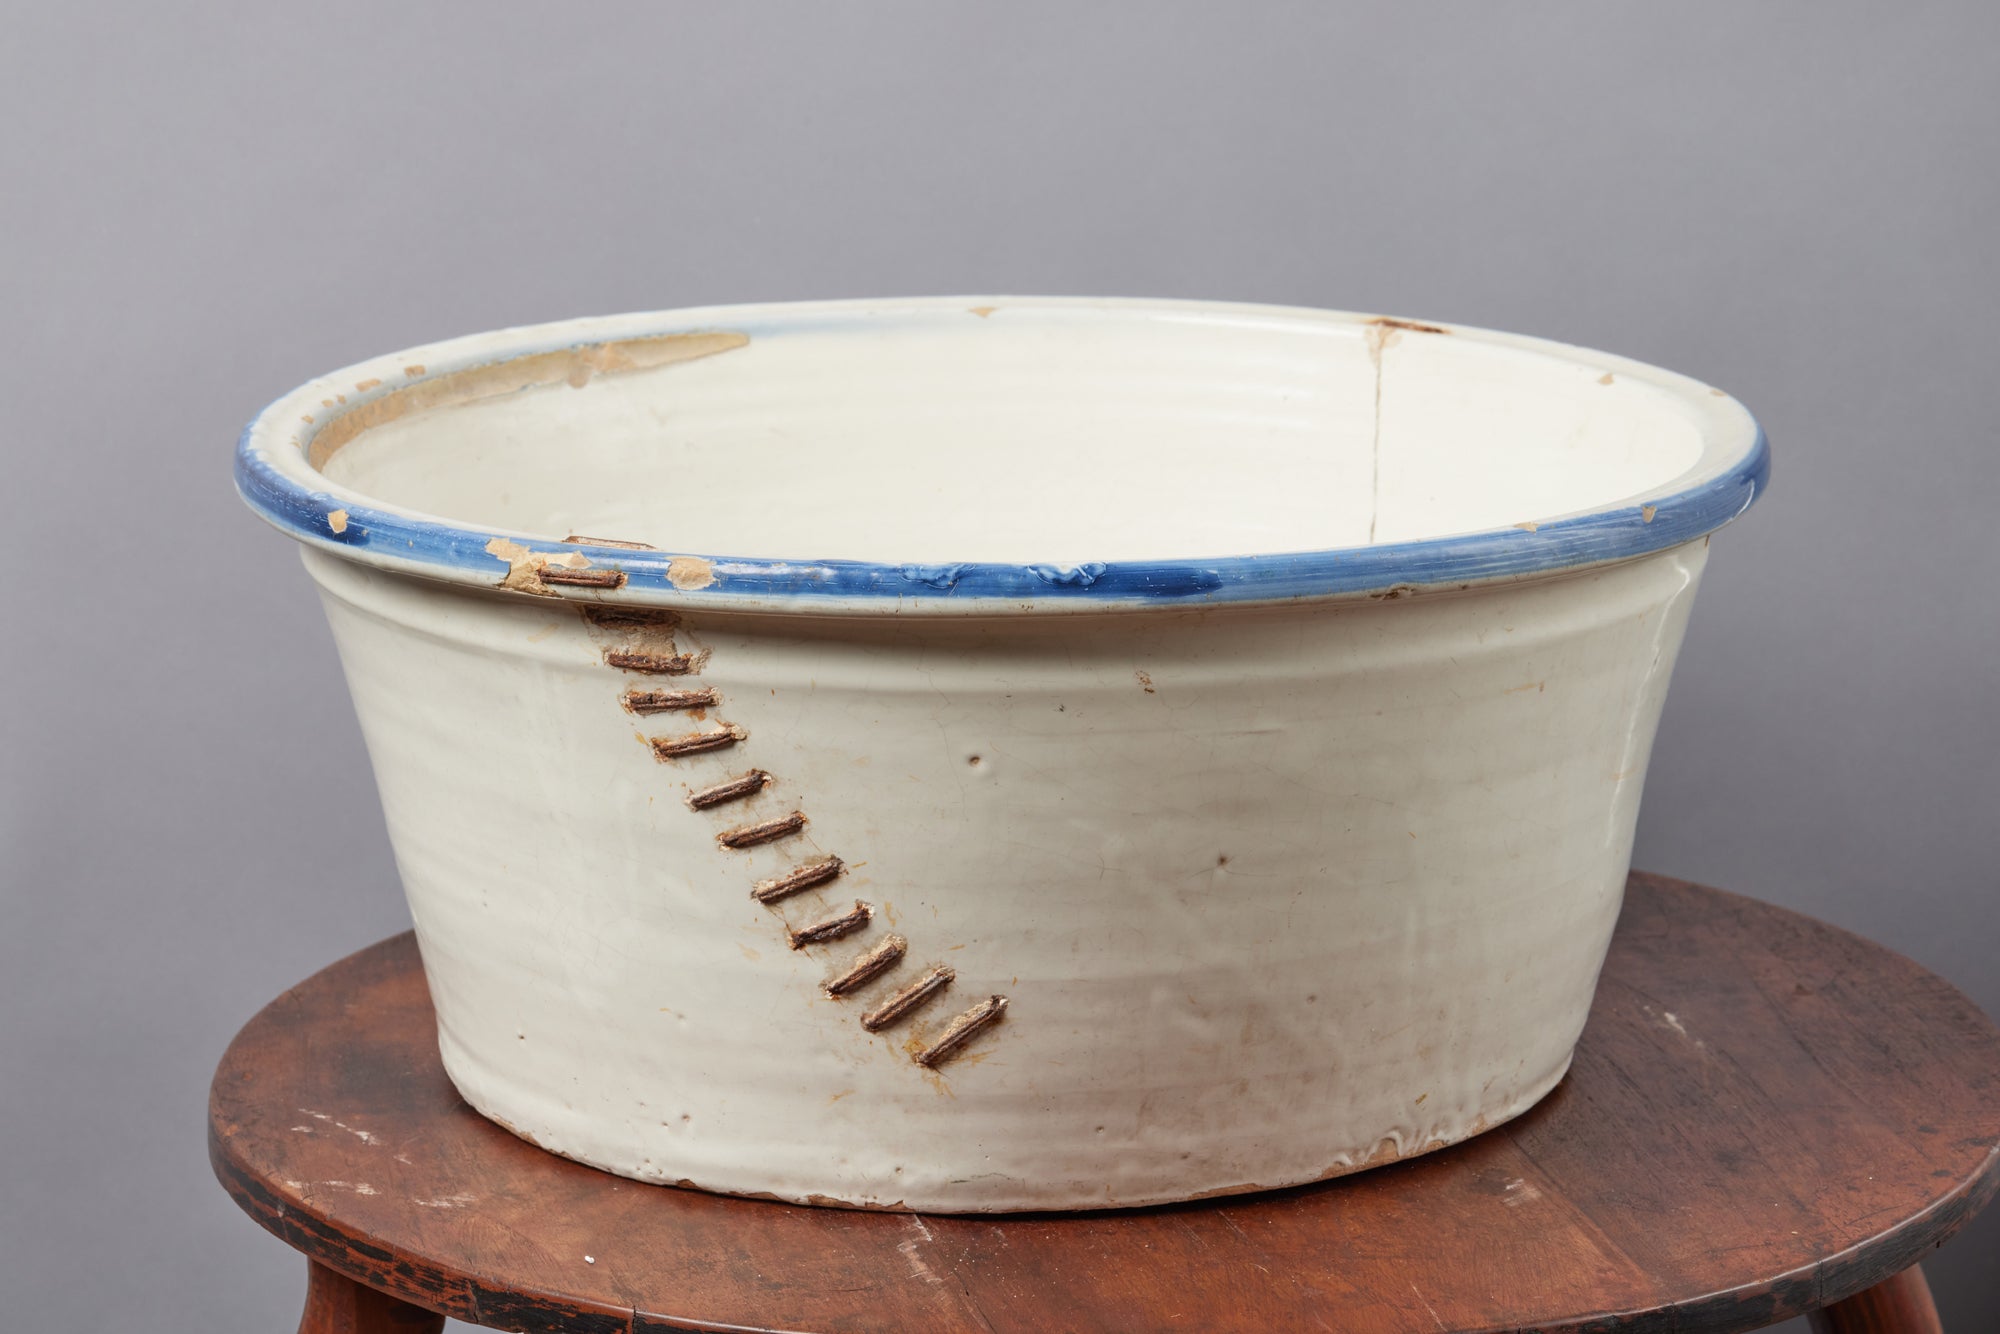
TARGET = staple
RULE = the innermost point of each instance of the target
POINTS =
(609, 542)
(767, 831)
(665, 701)
(694, 743)
(798, 880)
(831, 928)
(594, 578)
(909, 1000)
(879, 959)
(745, 785)
(652, 664)
(961, 1031)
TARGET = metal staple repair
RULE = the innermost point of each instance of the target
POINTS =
(831, 928)
(879, 959)
(909, 1000)
(748, 785)
(562, 574)
(797, 880)
(960, 1031)
(768, 831)
(664, 701)
(873, 963)
(694, 743)
(653, 664)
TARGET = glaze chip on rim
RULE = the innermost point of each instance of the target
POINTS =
(280, 455)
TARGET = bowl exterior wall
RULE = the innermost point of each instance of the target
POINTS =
(1273, 892)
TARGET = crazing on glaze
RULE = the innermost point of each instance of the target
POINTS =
(1157, 749)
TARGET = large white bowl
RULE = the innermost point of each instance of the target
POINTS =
(1235, 716)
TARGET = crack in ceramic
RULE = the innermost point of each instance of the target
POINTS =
(870, 965)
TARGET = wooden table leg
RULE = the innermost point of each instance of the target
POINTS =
(1897, 1305)
(336, 1304)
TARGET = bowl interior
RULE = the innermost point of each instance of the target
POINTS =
(1029, 431)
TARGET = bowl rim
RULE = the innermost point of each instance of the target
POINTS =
(277, 478)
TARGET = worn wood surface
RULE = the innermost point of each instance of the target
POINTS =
(336, 1304)
(1766, 1115)
(1899, 1305)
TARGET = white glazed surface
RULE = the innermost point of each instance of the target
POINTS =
(1256, 701)
(1044, 434)
(1274, 893)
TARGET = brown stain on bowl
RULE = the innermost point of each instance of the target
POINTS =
(574, 366)
(576, 539)
(1391, 326)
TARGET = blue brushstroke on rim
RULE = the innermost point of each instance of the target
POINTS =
(434, 549)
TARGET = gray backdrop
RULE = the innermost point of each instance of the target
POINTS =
(202, 207)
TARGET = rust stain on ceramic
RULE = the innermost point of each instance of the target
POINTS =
(736, 789)
(831, 928)
(1385, 333)
(609, 542)
(690, 573)
(1380, 334)
(1388, 322)
(1145, 681)
(629, 618)
(961, 1031)
(337, 520)
(909, 1000)
(569, 365)
(877, 960)
(665, 701)
(766, 831)
(798, 880)
(695, 743)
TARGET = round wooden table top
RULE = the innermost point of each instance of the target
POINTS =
(1766, 1115)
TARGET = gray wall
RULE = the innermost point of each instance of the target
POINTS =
(203, 207)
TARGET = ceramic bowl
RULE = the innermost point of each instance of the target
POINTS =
(996, 754)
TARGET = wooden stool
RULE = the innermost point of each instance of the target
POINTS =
(1766, 1116)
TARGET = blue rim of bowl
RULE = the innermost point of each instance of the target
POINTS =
(280, 485)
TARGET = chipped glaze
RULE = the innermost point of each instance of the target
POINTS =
(1071, 806)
